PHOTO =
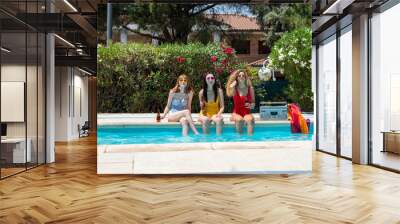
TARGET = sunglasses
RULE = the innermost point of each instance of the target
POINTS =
(210, 78)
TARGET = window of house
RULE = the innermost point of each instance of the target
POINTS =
(241, 46)
(262, 47)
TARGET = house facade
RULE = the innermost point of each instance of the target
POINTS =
(238, 31)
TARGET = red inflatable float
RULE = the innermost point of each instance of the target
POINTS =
(297, 122)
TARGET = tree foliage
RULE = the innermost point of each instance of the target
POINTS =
(276, 20)
(292, 55)
(168, 23)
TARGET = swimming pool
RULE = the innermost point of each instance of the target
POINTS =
(163, 134)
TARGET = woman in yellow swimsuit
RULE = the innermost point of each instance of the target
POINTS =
(211, 100)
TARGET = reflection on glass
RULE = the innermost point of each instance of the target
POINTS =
(385, 84)
(346, 93)
(22, 88)
(14, 151)
(327, 96)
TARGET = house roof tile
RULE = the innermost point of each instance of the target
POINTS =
(238, 22)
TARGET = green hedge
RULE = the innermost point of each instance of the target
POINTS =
(136, 78)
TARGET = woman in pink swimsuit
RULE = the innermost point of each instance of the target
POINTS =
(241, 89)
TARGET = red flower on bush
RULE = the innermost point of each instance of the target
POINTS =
(224, 62)
(213, 58)
(219, 70)
(228, 50)
(180, 59)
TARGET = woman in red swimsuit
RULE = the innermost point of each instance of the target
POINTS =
(240, 88)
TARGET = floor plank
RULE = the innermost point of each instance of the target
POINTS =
(70, 191)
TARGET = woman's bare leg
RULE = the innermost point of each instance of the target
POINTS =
(191, 122)
(180, 117)
(219, 122)
(238, 122)
(184, 113)
(185, 126)
(205, 124)
(249, 119)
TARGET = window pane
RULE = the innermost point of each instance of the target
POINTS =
(385, 84)
(262, 47)
(327, 96)
(346, 93)
(241, 46)
(13, 87)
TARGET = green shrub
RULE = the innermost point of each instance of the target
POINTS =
(292, 55)
(136, 78)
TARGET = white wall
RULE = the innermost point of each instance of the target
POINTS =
(13, 101)
(70, 83)
(9, 73)
(62, 83)
(12, 73)
(79, 117)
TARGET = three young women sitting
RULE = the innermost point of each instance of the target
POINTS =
(211, 100)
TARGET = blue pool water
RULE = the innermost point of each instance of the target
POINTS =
(162, 134)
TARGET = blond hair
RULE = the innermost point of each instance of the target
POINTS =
(176, 87)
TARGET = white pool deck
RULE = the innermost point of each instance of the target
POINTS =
(271, 157)
(150, 118)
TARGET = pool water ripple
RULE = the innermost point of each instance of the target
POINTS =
(158, 134)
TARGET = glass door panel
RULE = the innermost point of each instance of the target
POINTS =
(327, 95)
(346, 93)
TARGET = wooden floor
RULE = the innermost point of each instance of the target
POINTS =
(387, 159)
(70, 191)
(10, 171)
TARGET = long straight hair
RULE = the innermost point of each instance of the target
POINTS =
(216, 86)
